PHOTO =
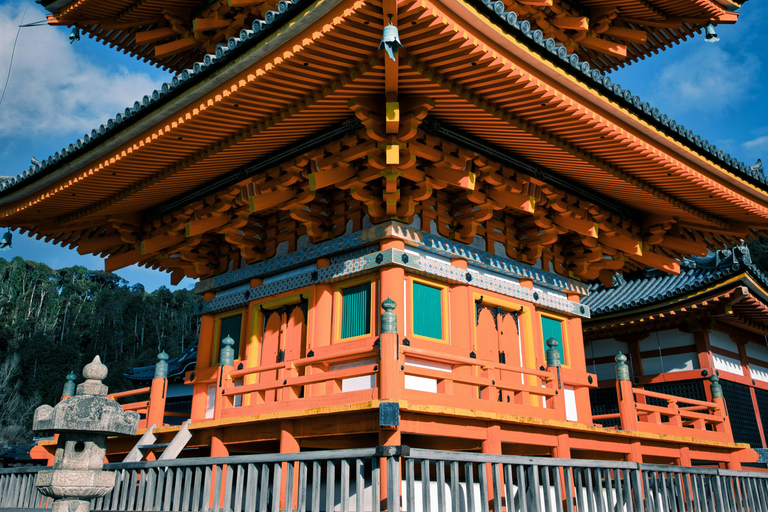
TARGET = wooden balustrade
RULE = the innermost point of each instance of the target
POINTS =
(337, 377)
(152, 410)
(697, 418)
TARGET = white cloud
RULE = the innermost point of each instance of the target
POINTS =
(760, 143)
(709, 78)
(54, 88)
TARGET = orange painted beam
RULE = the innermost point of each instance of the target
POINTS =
(200, 24)
(603, 46)
(202, 226)
(118, 261)
(158, 243)
(99, 244)
(180, 45)
(153, 36)
(571, 22)
(627, 34)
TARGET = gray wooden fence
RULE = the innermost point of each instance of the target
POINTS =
(413, 480)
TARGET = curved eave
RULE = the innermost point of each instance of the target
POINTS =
(149, 118)
(629, 126)
(739, 301)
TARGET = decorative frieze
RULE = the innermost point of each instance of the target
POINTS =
(353, 265)
(362, 242)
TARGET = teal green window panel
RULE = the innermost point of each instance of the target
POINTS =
(356, 310)
(231, 326)
(552, 327)
(427, 311)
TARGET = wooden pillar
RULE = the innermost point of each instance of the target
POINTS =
(288, 444)
(491, 445)
(393, 285)
(204, 347)
(390, 359)
(158, 391)
(218, 449)
(563, 448)
(387, 437)
(226, 362)
(625, 395)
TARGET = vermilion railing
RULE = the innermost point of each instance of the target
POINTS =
(700, 419)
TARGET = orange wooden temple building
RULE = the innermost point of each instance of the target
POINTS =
(476, 167)
(677, 330)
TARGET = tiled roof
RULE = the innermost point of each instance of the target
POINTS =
(177, 366)
(236, 46)
(647, 287)
(495, 11)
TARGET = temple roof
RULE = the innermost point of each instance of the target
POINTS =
(177, 366)
(570, 63)
(176, 35)
(649, 286)
(504, 126)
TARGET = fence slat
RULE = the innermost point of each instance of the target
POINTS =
(301, 506)
(316, 477)
(256, 482)
(425, 487)
(410, 486)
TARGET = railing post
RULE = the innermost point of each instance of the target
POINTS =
(626, 396)
(226, 365)
(157, 392)
(717, 396)
(553, 366)
(389, 353)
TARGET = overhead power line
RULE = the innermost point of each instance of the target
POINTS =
(13, 52)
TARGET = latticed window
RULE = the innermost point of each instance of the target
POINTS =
(427, 311)
(356, 310)
(551, 327)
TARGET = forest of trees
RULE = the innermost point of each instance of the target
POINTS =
(55, 321)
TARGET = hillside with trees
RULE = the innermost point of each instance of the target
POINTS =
(53, 322)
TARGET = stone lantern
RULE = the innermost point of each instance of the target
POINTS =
(83, 423)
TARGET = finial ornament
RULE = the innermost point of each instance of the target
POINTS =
(553, 355)
(716, 388)
(161, 367)
(94, 372)
(227, 353)
(69, 386)
(622, 370)
(389, 318)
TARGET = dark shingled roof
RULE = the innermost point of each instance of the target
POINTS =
(494, 10)
(650, 286)
(177, 366)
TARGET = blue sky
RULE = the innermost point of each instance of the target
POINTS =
(57, 92)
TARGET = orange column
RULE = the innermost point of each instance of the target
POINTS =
(226, 362)
(387, 437)
(157, 392)
(393, 284)
(156, 408)
(204, 347)
(492, 446)
(288, 444)
(390, 359)
(218, 449)
(320, 324)
(626, 397)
